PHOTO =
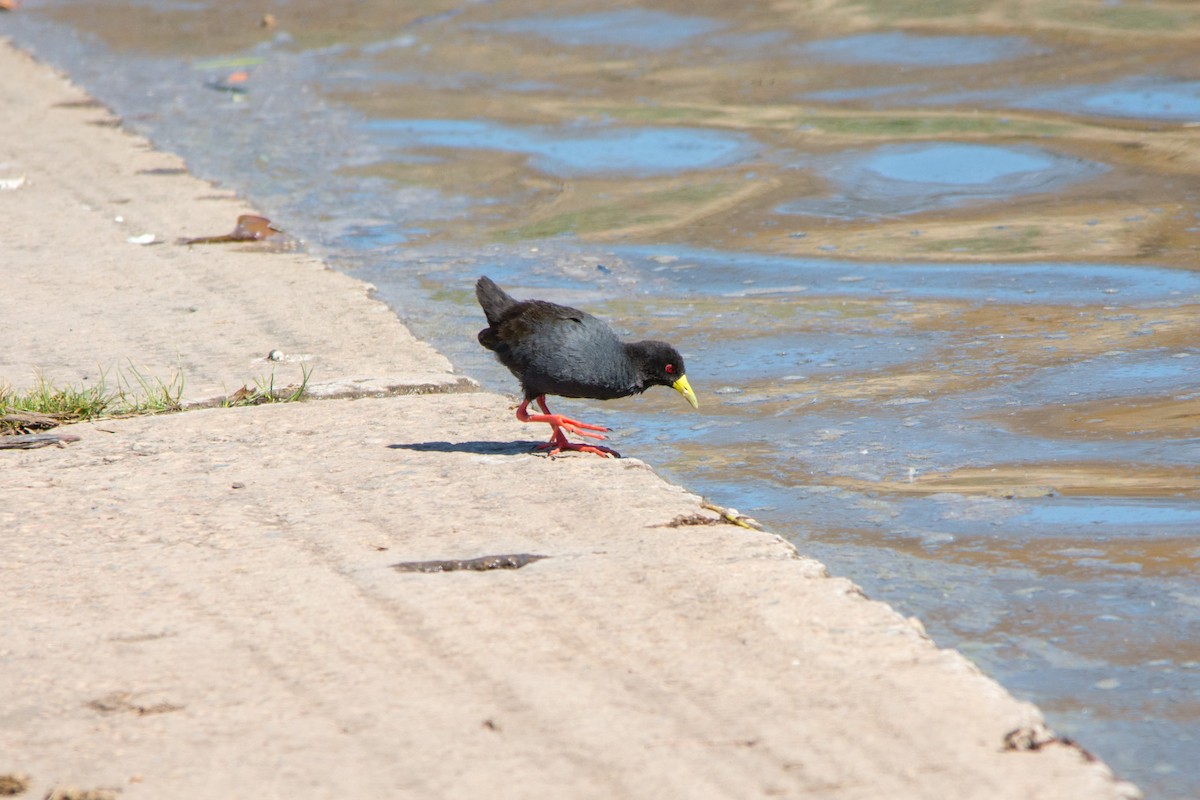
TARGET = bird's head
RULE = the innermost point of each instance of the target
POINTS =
(659, 364)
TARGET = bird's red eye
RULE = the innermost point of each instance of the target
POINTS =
(670, 368)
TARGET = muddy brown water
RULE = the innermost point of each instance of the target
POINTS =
(932, 266)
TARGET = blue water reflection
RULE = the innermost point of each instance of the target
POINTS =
(738, 274)
(919, 51)
(960, 164)
(907, 178)
(1128, 518)
(795, 355)
(1117, 374)
(626, 28)
(574, 151)
(1141, 97)
(1145, 97)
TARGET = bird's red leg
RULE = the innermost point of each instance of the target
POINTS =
(571, 425)
(558, 440)
(558, 421)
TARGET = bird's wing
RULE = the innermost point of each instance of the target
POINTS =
(534, 316)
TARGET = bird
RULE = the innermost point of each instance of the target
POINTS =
(559, 350)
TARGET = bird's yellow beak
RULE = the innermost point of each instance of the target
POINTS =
(684, 388)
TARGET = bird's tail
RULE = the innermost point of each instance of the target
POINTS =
(492, 299)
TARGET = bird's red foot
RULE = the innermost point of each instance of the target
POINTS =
(559, 422)
(560, 443)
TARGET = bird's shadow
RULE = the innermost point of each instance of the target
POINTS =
(478, 447)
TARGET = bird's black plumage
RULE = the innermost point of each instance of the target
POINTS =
(559, 350)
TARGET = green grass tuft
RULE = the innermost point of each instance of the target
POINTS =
(135, 394)
(67, 404)
(264, 391)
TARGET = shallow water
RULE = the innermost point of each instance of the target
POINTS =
(934, 281)
(564, 151)
(895, 47)
(895, 179)
(1145, 98)
(628, 28)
